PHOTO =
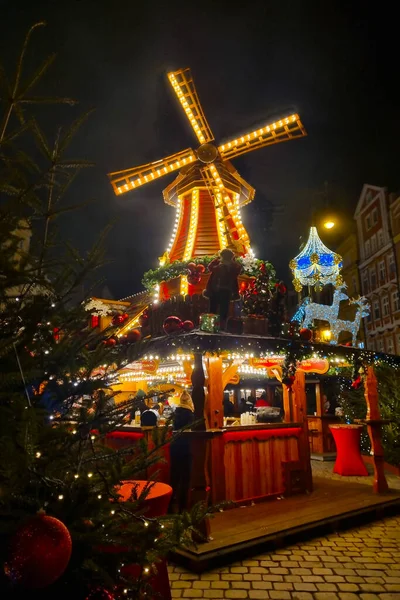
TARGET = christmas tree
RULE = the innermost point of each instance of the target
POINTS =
(62, 526)
(257, 295)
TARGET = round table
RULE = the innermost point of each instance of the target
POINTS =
(156, 501)
(154, 505)
(348, 459)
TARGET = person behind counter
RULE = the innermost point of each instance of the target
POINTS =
(229, 407)
(181, 458)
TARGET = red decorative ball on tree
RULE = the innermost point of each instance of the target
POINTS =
(39, 552)
(187, 325)
(306, 334)
(110, 342)
(172, 325)
(200, 268)
(133, 336)
(144, 319)
(191, 266)
(100, 594)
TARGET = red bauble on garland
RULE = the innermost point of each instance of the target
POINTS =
(144, 319)
(110, 342)
(39, 552)
(133, 336)
(200, 269)
(306, 334)
(172, 325)
(187, 325)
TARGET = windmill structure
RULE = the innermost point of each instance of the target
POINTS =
(208, 192)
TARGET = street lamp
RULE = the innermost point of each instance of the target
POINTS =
(329, 224)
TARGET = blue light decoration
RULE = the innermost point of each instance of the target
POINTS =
(316, 265)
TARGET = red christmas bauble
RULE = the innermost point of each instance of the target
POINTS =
(144, 320)
(133, 336)
(187, 325)
(172, 325)
(200, 268)
(39, 552)
(191, 266)
(193, 278)
(110, 342)
(306, 334)
(100, 594)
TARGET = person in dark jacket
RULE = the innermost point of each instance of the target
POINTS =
(222, 286)
(181, 458)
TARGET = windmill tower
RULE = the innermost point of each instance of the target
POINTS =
(208, 192)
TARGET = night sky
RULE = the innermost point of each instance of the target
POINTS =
(338, 67)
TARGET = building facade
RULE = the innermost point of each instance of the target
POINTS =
(377, 267)
(348, 250)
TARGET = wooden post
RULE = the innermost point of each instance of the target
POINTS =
(214, 411)
(198, 393)
(299, 397)
(318, 398)
(299, 408)
(374, 426)
(287, 405)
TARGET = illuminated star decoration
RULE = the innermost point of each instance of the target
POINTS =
(316, 265)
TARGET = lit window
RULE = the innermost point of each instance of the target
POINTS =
(385, 306)
(395, 301)
(382, 272)
(392, 266)
(377, 310)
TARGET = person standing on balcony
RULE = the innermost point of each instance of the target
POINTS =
(222, 286)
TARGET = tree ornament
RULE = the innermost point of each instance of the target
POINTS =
(100, 594)
(187, 325)
(172, 324)
(306, 334)
(144, 319)
(133, 336)
(110, 342)
(200, 268)
(39, 552)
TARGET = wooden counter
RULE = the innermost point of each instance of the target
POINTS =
(239, 464)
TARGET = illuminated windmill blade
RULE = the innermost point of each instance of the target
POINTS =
(280, 131)
(230, 228)
(124, 181)
(184, 88)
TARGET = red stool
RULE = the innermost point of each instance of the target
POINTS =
(348, 460)
(155, 505)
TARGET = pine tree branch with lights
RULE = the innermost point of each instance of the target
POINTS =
(62, 526)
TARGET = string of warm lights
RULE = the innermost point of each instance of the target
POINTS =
(188, 111)
(194, 216)
(273, 132)
(133, 178)
(178, 217)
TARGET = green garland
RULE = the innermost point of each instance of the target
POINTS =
(156, 276)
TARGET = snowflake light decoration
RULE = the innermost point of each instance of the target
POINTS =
(316, 265)
(97, 307)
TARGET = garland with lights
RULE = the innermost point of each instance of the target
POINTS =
(153, 277)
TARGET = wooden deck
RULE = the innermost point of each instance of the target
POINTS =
(244, 531)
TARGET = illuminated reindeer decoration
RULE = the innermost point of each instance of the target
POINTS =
(309, 311)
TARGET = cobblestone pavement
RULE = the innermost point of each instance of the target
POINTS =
(325, 469)
(357, 564)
